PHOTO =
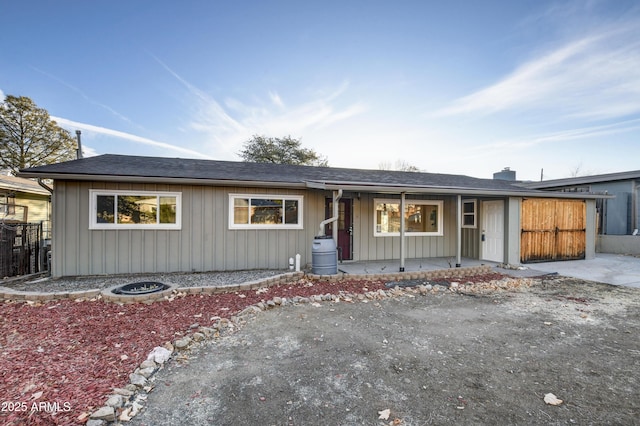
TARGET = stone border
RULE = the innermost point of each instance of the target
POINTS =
(7, 294)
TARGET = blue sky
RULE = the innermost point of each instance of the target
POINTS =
(466, 87)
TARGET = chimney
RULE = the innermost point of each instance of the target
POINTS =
(505, 174)
(79, 150)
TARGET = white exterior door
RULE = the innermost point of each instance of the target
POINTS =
(493, 231)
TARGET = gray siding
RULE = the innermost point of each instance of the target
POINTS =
(512, 230)
(591, 231)
(205, 242)
(619, 210)
(367, 247)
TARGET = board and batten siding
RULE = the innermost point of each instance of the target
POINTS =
(204, 243)
(367, 247)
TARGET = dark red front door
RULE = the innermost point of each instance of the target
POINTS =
(345, 226)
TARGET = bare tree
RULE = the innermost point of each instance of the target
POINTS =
(400, 165)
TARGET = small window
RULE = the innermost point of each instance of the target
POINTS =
(135, 210)
(265, 211)
(421, 218)
(469, 213)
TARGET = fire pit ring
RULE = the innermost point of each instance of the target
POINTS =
(144, 287)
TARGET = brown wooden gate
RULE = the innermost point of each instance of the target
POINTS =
(552, 229)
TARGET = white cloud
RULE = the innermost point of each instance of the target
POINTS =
(275, 98)
(566, 135)
(594, 76)
(122, 135)
(84, 95)
(228, 126)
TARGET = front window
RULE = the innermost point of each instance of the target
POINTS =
(421, 217)
(135, 210)
(265, 211)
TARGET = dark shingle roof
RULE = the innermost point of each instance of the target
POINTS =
(150, 169)
(583, 180)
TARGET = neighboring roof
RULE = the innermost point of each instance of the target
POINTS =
(18, 184)
(583, 180)
(111, 167)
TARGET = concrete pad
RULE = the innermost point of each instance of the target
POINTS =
(606, 268)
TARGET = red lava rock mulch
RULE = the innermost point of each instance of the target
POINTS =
(59, 361)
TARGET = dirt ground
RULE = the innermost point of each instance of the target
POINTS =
(439, 359)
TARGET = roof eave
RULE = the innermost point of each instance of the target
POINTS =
(396, 189)
(583, 180)
(165, 180)
(349, 186)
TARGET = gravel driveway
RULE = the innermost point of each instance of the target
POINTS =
(447, 358)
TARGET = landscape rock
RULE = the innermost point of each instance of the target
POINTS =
(131, 388)
(135, 409)
(207, 331)
(183, 343)
(105, 413)
(146, 372)
(115, 401)
(159, 355)
(123, 392)
(137, 380)
(126, 416)
(148, 363)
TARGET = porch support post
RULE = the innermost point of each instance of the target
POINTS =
(402, 242)
(459, 232)
(336, 212)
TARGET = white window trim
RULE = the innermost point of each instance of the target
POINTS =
(93, 210)
(298, 198)
(475, 213)
(438, 203)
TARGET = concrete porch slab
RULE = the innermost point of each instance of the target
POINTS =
(411, 265)
(605, 268)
